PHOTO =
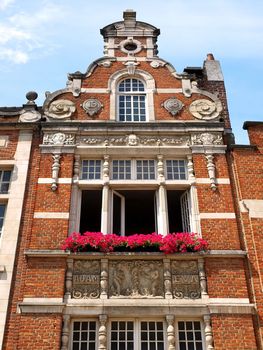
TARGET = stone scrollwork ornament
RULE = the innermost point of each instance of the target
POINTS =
(92, 106)
(30, 116)
(173, 105)
(205, 109)
(60, 109)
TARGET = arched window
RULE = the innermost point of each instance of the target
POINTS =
(131, 101)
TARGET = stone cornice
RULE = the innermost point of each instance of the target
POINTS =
(34, 253)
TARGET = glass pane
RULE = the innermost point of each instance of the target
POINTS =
(197, 325)
(7, 175)
(84, 346)
(188, 325)
(199, 346)
(191, 346)
(182, 346)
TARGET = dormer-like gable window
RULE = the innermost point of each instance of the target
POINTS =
(131, 100)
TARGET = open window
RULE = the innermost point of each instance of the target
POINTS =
(90, 217)
(133, 211)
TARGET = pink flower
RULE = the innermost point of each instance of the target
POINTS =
(169, 244)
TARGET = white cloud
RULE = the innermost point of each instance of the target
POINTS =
(15, 56)
(25, 35)
(5, 3)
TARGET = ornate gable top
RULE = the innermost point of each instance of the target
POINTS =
(129, 27)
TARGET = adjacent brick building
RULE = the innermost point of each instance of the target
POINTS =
(130, 146)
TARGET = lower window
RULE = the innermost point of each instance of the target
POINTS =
(189, 335)
(137, 335)
(84, 335)
(133, 335)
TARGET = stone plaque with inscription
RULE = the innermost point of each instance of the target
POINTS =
(185, 280)
(86, 279)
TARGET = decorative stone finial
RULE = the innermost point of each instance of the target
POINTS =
(129, 17)
(31, 96)
(210, 57)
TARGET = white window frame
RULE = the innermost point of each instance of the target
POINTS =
(185, 170)
(189, 320)
(150, 88)
(137, 330)
(134, 170)
(89, 172)
(132, 94)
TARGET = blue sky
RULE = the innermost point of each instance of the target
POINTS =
(42, 40)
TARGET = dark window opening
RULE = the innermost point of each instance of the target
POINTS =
(174, 210)
(90, 217)
(138, 209)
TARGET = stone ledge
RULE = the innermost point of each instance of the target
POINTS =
(127, 255)
(153, 307)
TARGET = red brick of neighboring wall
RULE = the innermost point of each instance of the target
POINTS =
(233, 332)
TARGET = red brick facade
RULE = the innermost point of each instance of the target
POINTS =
(226, 200)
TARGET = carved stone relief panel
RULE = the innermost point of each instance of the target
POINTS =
(205, 109)
(207, 139)
(58, 139)
(86, 279)
(134, 140)
(185, 280)
(173, 105)
(137, 278)
(92, 106)
(60, 109)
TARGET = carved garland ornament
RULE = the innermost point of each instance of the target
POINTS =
(134, 140)
(92, 106)
(59, 139)
(205, 109)
(60, 109)
(207, 139)
(173, 105)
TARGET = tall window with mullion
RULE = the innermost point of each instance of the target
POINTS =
(5, 176)
(132, 104)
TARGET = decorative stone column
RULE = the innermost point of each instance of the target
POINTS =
(74, 216)
(202, 276)
(211, 171)
(105, 197)
(162, 211)
(69, 274)
(208, 333)
(102, 332)
(195, 215)
(55, 171)
(167, 279)
(65, 332)
(170, 332)
(104, 279)
(190, 168)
